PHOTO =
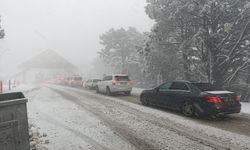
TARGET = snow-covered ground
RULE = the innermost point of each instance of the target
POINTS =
(78, 119)
(68, 127)
(25, 87)
(21, 87)
(136, 91)
(235, 139)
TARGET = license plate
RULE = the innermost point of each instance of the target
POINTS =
(228, 100)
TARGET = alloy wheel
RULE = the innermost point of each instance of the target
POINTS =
(108, 92)
(188, 109)
(145, 101)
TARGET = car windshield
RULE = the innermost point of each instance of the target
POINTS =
(206, 86)
(96, 80)
(121, 78)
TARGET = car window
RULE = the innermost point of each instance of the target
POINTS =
(179, 86)
(165, 86)
(96, 80)
(121, 78)
(107, 78)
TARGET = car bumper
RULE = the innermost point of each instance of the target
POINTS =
(217, 110)
(120, 89)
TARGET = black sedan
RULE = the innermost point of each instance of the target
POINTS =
(199, 99)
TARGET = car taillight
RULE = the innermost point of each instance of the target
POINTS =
(113, 82)
(213, 99)
(237, 98)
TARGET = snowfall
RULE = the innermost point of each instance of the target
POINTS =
(70, 126)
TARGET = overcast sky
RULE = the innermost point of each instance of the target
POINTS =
(70, 27)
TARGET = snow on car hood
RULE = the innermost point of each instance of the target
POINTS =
(219, 92)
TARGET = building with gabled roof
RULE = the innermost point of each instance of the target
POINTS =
(45, 66)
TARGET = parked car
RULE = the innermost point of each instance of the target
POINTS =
(199, 99)
(76, 81)
(67, 80)
(115, 83)
(91, 83)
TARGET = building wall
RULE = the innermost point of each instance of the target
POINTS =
(38, 75)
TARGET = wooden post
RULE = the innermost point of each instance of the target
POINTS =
(1, 87)
(9, 85)
(14, 84)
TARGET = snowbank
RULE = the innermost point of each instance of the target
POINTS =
(136, 91)
(37, 140)
(22, 87)
(245, 107)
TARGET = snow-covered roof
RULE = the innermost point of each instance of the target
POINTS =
(117, 75)
(48, 59)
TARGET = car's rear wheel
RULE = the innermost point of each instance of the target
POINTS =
(108, 92)
(145, 100)
(188, 109)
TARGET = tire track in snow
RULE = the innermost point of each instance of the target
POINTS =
(85, 138)
(46, 117)
(236, 123)
(179, 129)
(120, 130)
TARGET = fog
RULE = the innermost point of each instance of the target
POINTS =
(69, 27)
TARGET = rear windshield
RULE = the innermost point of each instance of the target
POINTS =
(206, 86)
(121, 78)
(77, 78)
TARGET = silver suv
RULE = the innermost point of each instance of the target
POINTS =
(116, 83)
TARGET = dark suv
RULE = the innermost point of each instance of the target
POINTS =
(199, 99)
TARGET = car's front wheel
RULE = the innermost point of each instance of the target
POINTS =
(144, 100)
(188, 109)
(108, 92)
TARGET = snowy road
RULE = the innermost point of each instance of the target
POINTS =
(237, 123)
(79, 119)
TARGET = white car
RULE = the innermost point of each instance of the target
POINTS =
(76, 81)
(116, 83)
(91, 83)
